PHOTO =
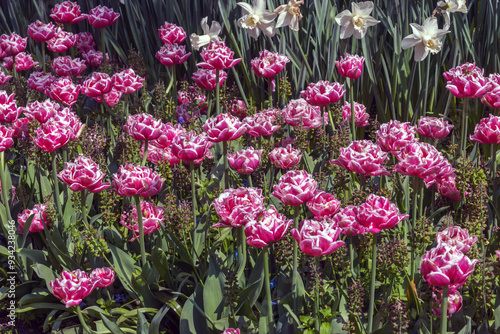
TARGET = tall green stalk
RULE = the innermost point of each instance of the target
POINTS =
(5, 196)
(465, 115)
(145, 156)
(56, 185)
(242, 251)
(141, 229)
(316, 297)
(267, 284)
(217, 92)
(353, 114)
(372, 285)
(294, 260)
(494, 179)
(226, 165)
(444, 309)
(270, 92)
(193, 192)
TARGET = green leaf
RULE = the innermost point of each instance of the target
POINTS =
(111, 325)
(192, 317)
(213, 293)
(156, 322)
(44, 273)
(145, 295)
(142, 323)
(326, 328)
(125, 266)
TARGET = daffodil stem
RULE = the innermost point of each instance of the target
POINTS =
(444, 309)
(372, 285)
(4, 185)
(465, 115)
(145, 156)
(268, 291)
(56, 185)
(141, 229)
(217, 92)
(353, 113)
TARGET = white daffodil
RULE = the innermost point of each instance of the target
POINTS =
(289, 15)
(356, 22)
(451, 6)
(425, 38)
(209, 35)
(256, 18)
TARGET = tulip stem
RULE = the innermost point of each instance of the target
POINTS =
(103, 45)
(250, 181)
(351, 255)
(444, 313)
(43, 56)
(174, 79)
(141, 229)
(193, 192)
(84, 208)
(372, 284)
(270, 325)
(316, 295)
(82, 320)
(217, 89)
(465, 113)
(145, 156)
(242, 252)
(4, 185)
(294, 261)
(494, 178)
(56, 185)
(270, 92)
(226, 175)
(353, 113)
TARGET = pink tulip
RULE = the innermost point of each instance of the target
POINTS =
(492, 97)
(395, 135)
(102, 277)
(456, 237)
(300, 113)
(67, 117)
(261, 124)
(445, 265)
(467, 80)
(268, 64)
(9, 111)
(378, 213)
(224, 127)
(217, 56)
(323, 205)
(350, 66)
(269, 226)
(245, 161)
(62, 41)
(41, 111)
(285, 157)
(85, 42)
(127, 81)
(168, 133)
(323, 93)
(97, 85)
(152, 218)
(93, 58)
(6, 135)
(41, 32)
(101, 17)
(487, 131)
(66, 12)
(24, 62)
(143, 127)
(158, 154)
(67, 66)
(237, 207)
(136, 180)
(433, 127)
(347, 220)
(40, 81)
(206, 79)
(455, 302)
(447, 188)
(295, 188)
(112, 98)
(172, 54)
(21, 128)
(192, 96)
(72, 287)
(12, 44)
(238, 108)
(171, 33)
(317, 238)
(231, 331)
(83, 174)
(38, 212)
(189, 146)
(4, 78)
(63, 90)
(360, 115)
(52, 135)
(362, 157)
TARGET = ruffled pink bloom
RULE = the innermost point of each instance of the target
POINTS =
(152, 218)
(159, 154)
(192, 96)
(63, 90)
(21, 128)
(52, 135)
(9, 111)
(93, 58)
(85, 42)
(395, 135)
(67, 12)
(467, 80)
(67, 66)
(268, 64)
(6, 135)
(62, 41)
(231, 331)
(455, 302)
(97, 85)
(72, 287)
(300, 113)
(487, 131)
(41, 32)
(83, 174)
(143, 127)
(136, 180)
(206, 79)
(362, 157)
(40, 81)
(217, 56)
(347, 220)
(168, 133)
(285, 157)
(317, 238)
(171, 34)
(445, 265)
(433, 127)
(456, 237)
(41, 111)
(245, 161)
(101, 17)
(447, 188)
(102, 277)
(423, 160)
(269, 226)
(360, 115)
(189, 146)
(67, 117)
(38, 213)
(12, 44)
(350, 66)
(172, 54)
(379, 213)
(224, 127)
(24, 62)
(238, 108)
(4, 78)
(295, 188)
(112, 98)
(127, 81)
(323, 93)
(323, 205)
(261, 124)
(492, 97)
(237, 207)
